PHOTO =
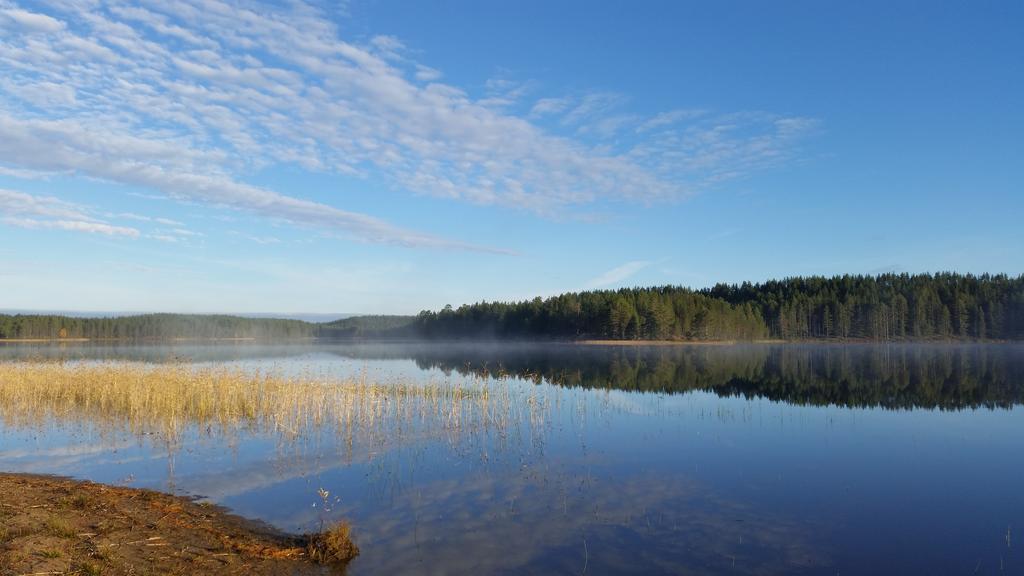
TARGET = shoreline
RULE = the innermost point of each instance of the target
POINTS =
(137, 340)
(576, 342)
(56, 525)
(674, 342)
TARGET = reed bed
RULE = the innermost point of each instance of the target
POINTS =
(170, 400)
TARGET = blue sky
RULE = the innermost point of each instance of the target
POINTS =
(386, 157)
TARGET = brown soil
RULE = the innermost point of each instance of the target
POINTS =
(56, 526)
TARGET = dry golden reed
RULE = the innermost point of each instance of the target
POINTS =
(167, 400)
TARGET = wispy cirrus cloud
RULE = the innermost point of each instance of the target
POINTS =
(31, 21)
(64, 145)
(591, 106)
(263, 240)
(14, 203)
(71, 225)
(46, 212)
(143, 218)
(188, 97)
(550, 106)
(23, 174)
(669, 118)
(617, 274)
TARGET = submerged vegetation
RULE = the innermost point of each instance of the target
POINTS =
(169, 400)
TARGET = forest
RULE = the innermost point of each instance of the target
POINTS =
(367, 327)
(885, 307)
(151, 326)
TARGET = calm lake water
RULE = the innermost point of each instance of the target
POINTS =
(768, 459)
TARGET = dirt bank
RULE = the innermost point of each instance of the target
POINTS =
(56, 526)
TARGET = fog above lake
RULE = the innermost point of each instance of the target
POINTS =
(912, 375)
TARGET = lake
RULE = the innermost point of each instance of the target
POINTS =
(746, 459)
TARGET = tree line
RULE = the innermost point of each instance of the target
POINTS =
(884, 307)
(367, 327)
(151, 326)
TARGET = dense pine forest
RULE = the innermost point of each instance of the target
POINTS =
(886, 307)
(152, 326)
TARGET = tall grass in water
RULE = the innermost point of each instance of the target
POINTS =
(169, 400)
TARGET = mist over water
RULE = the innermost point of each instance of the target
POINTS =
(750, 459)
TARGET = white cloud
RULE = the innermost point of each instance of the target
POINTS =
(41, 94)
(592, 105)
(142, 218)
(264, 240)
(548, 106)
(617, 274)
(609, 126)
(73, 225)
(188, 97)
(389, 47)
(720, 148)
(51, 145)
(13, 203)
(23, 174)
(175, 235)
(31, 21)
(668, 118)
(46, 212)
(427, 74)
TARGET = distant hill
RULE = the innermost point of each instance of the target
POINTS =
(194, 326)
(369, 326)
(314, 317)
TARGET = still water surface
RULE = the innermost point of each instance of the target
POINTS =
(768, 459)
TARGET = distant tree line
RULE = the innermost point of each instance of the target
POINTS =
(885, 307)
(367, 327)
(152, 326)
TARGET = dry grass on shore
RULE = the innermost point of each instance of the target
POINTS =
(55, 526)
(168, 400)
